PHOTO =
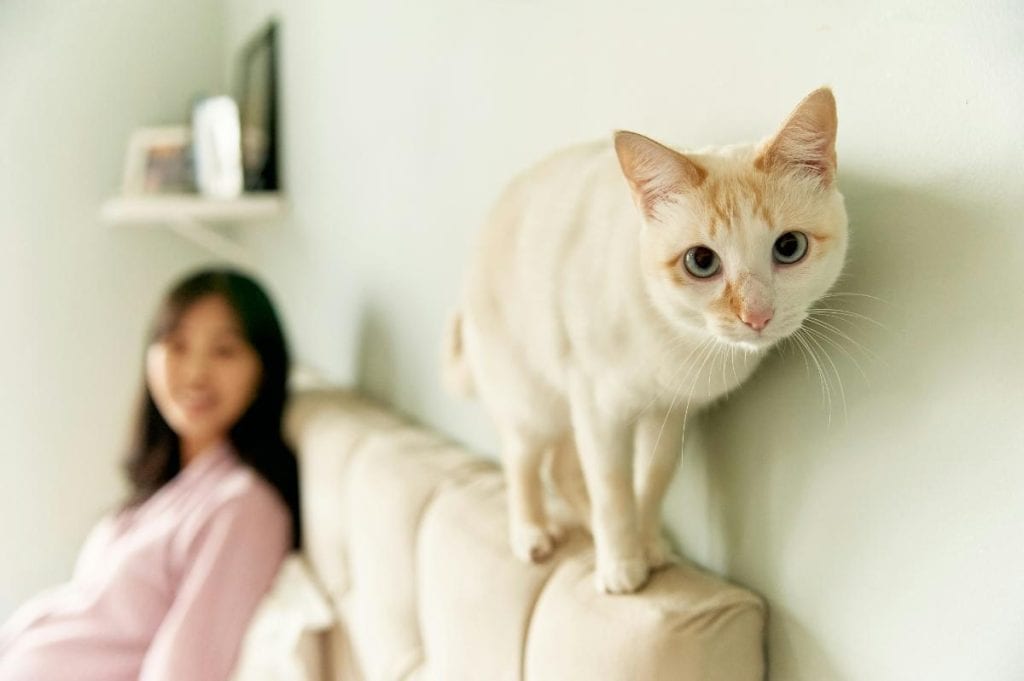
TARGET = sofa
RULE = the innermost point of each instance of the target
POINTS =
(405, 544)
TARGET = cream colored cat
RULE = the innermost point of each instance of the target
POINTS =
(618, 286)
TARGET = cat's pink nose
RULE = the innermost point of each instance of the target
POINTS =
(756, 319)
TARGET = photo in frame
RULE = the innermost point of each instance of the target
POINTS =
(159, 161)
(257, 99)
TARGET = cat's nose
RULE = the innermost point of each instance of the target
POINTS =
(756, 319)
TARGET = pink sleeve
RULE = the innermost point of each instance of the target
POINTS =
(228, 567)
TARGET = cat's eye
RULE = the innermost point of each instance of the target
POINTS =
(702, 262)
(790, 248)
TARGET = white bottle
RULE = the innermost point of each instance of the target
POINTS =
(217, 148)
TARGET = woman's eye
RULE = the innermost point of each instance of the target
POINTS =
(790, 248)
(225, 352)
(702, 262)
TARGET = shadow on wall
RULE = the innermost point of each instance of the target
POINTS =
(907, 248)
(375, 357)
(804, 656)
(762, 453)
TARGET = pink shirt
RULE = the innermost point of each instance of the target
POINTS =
(162, 592)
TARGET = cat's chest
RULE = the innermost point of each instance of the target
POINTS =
(682, 374)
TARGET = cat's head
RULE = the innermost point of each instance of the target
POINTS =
(738, 242)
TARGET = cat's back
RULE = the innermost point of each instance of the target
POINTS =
(545, 212)
(559, 181)
(545, 248)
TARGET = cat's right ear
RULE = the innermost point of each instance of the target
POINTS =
(654, 172)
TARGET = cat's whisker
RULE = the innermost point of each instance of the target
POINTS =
(835, 312)
(835, 370)
(675, 394)
(725, 366)
(854, 294)
(839, 332)
(660, 392)
(832, 322)
(826, 390)
(682, 365)
(829, 326)
(675, 397)
(704, 356)
(805, 352)
(676, 343)
(842, 348)
(714, 362)
(699, 361)
(686, 412)
(793, 341)
(825, 376)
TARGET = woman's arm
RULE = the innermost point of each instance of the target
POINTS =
(228, 567)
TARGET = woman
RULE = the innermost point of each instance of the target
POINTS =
(164, 588)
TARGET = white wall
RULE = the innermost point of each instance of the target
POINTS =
(75, 78)
(887, 542)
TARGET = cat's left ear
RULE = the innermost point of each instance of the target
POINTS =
(806, 142)
(654, 172)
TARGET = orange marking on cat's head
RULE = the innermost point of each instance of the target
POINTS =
(755, 188)
(714, 222)
(721, 202)
(675, 271)
(728, 198)
(732, 298)
(729, 303)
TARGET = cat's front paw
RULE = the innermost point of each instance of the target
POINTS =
(659, 553)
(616, 576)
(532, 543)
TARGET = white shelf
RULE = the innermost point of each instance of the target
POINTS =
(192, 208)
(192, 216)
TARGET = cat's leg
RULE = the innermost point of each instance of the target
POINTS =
(566, 478)
(529, 417)
(605, 448)
(531, 536)
(658, 446)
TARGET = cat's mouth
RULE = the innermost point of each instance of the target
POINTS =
(756, 341)
(758, 344)
(736, 333)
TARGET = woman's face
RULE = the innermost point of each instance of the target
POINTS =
(204, 374)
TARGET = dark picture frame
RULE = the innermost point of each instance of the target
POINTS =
(257, 99)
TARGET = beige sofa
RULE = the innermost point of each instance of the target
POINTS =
(405, 533)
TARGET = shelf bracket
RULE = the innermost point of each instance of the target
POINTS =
(203, 236)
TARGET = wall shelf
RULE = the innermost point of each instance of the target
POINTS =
(195, 217)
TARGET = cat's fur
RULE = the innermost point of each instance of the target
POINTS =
(581, 330)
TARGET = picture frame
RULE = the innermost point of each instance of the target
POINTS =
(256, 93)
(158, 161)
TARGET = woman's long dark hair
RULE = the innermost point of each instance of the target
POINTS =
(154, 457)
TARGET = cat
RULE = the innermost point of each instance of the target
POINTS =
(618, 285)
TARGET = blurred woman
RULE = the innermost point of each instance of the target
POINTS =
(164, 588)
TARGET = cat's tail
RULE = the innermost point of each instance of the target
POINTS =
(458, 378)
